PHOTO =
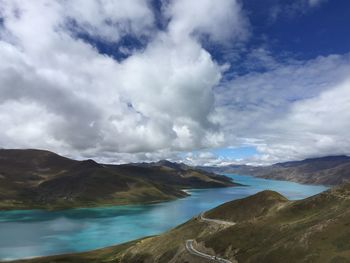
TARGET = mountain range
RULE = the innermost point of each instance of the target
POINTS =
(265, 227)
(42, 179)
(329, 170)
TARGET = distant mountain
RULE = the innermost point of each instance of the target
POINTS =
(42, 179)
(165, 163)
(330, 170)
(268, 228)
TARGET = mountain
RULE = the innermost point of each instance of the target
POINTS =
(330, 170)
(42, 179)
(264, 227)
(165, 163)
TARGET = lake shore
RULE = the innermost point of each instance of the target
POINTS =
(86, 229)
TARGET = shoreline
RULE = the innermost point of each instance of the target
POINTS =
(187, 191)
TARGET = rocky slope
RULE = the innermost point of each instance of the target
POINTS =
(42, 179)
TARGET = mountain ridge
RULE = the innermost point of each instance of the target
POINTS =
(42, 179)
(327, 170)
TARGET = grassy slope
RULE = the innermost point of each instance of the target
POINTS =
(42, 179)
(271, 229)
(244, 209)
(312, 230)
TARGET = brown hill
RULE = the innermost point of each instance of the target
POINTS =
(330, 170)
(42, 179)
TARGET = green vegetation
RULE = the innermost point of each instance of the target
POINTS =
(41, 179)
(268, 228)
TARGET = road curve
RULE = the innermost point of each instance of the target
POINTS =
(216, 221)
(193, 251)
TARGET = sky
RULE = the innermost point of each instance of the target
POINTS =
(206, 82)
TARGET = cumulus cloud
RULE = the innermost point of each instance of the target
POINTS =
(317, 126)
(220, 20)
(110, 20)
(70, 98)
(58, 92)
(294, 111)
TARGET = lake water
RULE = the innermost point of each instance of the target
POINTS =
(39, 233)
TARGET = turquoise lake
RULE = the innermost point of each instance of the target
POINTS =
(32, 233)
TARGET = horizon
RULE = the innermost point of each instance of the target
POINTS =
(216, 83)
(182, 162)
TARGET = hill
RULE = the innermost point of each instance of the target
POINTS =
(268, 228)
(42, 179)
(330, 170)
(245, 209)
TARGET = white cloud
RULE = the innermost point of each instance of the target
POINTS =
(314, 127)
(72, 99)
(221, 20)
(294, 111)
(58, 92)
(110, 19)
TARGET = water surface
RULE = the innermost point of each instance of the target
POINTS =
(39, 233)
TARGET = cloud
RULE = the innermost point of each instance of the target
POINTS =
(204, 157)
(220, 20)
(317, 126)
(58, 92)
(72, 99)
(110, 20)
(314, 3)
(291, 9)
(284, 112)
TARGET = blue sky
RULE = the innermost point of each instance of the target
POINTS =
(205, 82)
(224, 154)
(295, 31)
(304, 34)
(237, 153)
(300, 35)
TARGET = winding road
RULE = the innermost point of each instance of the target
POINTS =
(193, 251)
(216, 221)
